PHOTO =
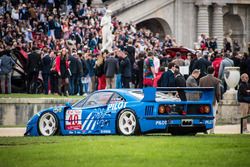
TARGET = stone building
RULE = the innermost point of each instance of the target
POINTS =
(187, 19)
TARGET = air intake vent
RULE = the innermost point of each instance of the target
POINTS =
(149, 110)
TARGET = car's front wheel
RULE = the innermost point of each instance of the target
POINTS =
(127, 123)
(47, 124)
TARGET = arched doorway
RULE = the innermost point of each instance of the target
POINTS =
(156, 25)
(234, 24)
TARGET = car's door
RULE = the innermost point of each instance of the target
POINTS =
(90, 116)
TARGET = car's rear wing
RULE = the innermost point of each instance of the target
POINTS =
(203, 93)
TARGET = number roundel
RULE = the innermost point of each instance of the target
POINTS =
(73, 120)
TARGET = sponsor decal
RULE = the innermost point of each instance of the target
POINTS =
(117, 106)
(57, 109)
(98, 119)
(209, 122)
(105, 131)
(161, 123)
(73, 120)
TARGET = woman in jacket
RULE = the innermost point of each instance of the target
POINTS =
(244, 98)
(99, 71)
(62, 68)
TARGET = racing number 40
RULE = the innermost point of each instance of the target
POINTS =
(73, 119)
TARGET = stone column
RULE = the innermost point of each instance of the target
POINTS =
(217, 27)
(203, 19)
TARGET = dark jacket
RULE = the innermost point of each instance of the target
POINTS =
(34, 62)
(191, 66)
(85, 70)
(131, 54)
(202, 65)
(243, 95)
(99, 70)
(79, 68)
(46, 64)
(125, 67)
(73, 64)
(111, 67)
(167, 79)
(6, 64)
(180, 80)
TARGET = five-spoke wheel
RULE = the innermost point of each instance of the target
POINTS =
(127, 123)
(47, 124)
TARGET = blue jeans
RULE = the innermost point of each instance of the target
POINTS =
(72, 84)
(118, 81)
(4, 78)
(85, 85)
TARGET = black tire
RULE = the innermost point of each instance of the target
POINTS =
(48, 124)
(132, 124)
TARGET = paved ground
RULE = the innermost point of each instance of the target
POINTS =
(225, 129)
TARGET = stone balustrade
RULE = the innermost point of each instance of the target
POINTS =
(17, 111)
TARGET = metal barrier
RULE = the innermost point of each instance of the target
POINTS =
(241, 123)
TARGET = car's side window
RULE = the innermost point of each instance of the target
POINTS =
(99, 98)
(116, 98)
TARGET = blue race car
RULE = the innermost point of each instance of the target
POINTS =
(178, 111)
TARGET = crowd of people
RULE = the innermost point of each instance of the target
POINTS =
(62, 44)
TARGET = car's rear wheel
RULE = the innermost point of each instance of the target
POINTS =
(127, 123)
(47, 124)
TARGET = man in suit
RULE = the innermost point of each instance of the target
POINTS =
(202, 65)
(111, 68)
(168, 79)
(192, 79)
(211, 81)
(73, 70)
(125, 69)
(46, 66)
(192, 82)
(33, 66)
